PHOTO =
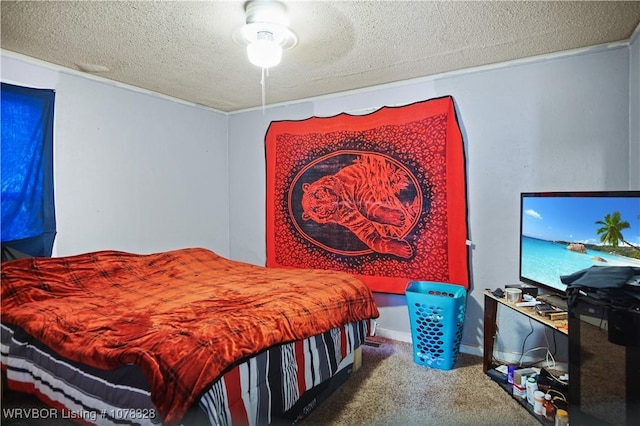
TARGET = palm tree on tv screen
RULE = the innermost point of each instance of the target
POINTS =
(611, 231)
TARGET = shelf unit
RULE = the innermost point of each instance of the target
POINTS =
(491, 304)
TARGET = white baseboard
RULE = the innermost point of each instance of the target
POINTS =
(393, 334)
(470, 349)
(406, 337)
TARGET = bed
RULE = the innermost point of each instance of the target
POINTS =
(179, 337)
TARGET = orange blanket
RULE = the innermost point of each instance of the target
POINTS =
(181, 316)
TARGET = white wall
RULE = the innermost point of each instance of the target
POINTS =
(634, 111)
(551, 123)
(133, 171)
(139, 172)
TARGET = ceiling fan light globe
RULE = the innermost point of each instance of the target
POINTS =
(264, 53)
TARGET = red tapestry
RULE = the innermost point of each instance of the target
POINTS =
(382, 196)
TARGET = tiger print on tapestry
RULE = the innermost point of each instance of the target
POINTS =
(382, 196)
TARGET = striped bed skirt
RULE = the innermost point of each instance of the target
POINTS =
(279, 385)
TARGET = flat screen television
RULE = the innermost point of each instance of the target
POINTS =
(565, 232)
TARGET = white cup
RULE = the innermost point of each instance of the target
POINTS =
(514, 295)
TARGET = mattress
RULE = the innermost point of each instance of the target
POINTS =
(279, 385)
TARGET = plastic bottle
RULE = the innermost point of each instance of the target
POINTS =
(562, 418)
(548, 409)
(532, 386)
(538, 402)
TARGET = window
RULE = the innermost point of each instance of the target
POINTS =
(28, 213)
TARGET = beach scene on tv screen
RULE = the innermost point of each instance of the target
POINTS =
(563, 235)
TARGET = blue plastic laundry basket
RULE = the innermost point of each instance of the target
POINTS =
(436, 312)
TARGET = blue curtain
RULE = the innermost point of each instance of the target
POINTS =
(28, 213)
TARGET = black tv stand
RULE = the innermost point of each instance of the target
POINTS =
(604, 385)
(491, 304)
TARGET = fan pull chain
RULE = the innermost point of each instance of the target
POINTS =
(262, 83)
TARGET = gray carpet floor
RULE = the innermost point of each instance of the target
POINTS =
(390, 389)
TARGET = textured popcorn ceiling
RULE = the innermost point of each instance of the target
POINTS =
(185, 49)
